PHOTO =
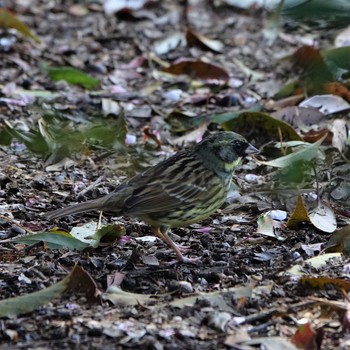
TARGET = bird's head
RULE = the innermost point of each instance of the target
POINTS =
(226, 148)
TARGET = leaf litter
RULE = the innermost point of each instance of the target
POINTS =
(110, 111)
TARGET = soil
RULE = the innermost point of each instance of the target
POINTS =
(243, 294)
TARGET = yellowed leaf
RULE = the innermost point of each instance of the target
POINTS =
(299, 214)
(8, 20)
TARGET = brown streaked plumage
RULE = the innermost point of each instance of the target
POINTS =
(179, 191)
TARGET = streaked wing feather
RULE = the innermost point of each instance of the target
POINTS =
(159, 197)
(151, 195)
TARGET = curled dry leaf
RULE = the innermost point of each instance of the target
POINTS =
(269, 227)
(198, 69)
(197, 39)
(169, 43)
(343, 38)
(299, 116)
(339, 128)
(326, 104)
(322, 216)
(111, 7)
(339, 241)
(316, 262)
(299, 214)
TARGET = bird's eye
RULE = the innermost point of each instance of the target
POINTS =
(239, 144)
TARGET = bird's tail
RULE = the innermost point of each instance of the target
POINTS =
(75, 209)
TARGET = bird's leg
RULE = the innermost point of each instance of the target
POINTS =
(162, 233)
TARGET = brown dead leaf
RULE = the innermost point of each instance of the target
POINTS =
(321, 282)
(306, 56)
(338, 89)
(314, 135)
(197, 69)
(315, 70)
(339, 241)
(304, 338)
(80, 281)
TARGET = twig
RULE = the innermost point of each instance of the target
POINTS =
(91, 186)
(2, 217)
(268, 313)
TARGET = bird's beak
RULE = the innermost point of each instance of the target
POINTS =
(251, 150)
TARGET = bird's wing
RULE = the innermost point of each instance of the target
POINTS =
(162, 188)
(162, 197)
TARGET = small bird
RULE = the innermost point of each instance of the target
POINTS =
(179, 191)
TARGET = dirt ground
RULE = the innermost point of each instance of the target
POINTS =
(241, 295)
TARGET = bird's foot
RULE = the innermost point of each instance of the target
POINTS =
(178, 249)
(193, 261)
(183, 248)
(184, 260)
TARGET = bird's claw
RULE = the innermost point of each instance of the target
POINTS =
(183, 248)
(184, 260)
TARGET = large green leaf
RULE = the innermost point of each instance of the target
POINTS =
(78, 281)
(72, 76)
(54, 240)
(325, 13)
(338, 60)
(305, 154)
(262, 123)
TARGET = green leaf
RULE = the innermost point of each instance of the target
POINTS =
(247, 121)
(226, 117)
(72, 76)
(108, 132)
(91, 234)
(54, 240)
(287, 89)
(306, 154)
(339, 241)
(110, 232)
(57, 137)
(32, 139)
(338, 60)
(182, 121)
(119, 297)
(5, 137)
(78, 280)
(273, 24)
(27, 303)
(334, 13)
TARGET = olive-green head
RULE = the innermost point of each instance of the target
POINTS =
(223, 150)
